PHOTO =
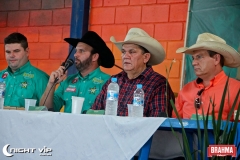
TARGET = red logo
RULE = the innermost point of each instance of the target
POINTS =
(74, 80)
(5, 75)
(222, 150)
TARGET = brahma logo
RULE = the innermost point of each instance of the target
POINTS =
(222, 150)
(43, 151)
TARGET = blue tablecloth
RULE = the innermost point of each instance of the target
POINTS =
(190, 127)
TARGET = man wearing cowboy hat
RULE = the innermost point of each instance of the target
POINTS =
(139, 53)
(209, 54)
(91, 52)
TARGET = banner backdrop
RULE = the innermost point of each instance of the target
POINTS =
(219, 17)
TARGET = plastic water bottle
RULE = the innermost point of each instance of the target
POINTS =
(112, 98)
(2, 88)
(138, 101)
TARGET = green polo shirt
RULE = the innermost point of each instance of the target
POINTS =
(76, 85)
(28, 82)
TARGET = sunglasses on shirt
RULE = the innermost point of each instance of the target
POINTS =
(198, 99)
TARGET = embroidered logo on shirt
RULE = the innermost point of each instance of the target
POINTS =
(97, 80)
(92, 90)
(74, 80)
(24, 84)
(70, 89)
(28, 75)
(5, 75)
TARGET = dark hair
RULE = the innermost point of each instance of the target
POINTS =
(144, 50)
(93, 51)
(212, 53)
(16, 38)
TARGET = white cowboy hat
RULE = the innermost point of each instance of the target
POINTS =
(140, 37)
(214, 43)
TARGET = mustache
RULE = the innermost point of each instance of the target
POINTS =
(76, 60)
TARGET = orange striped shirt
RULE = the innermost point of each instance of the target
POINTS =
(187, 96)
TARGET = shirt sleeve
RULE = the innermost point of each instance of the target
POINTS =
(234, 89)
(179, 106)
(159, 103)
(58, 97)
(100, 101)
(170, 100)
(41, 84)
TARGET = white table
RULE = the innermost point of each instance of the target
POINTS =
(73, 136)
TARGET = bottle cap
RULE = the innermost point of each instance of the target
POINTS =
(114, 79)
(139, 85)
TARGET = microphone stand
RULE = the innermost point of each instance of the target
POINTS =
(118, 66)
(48, 94)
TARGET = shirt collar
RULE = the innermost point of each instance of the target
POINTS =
(91, 75)
(21, 69)
(143, 74)
(213, 81)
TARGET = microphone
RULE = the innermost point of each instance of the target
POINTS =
(67, 64)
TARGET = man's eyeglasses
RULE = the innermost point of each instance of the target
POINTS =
(198, 99)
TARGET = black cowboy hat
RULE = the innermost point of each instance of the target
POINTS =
(94, 40)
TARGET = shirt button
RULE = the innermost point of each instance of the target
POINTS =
(67, 99)
(11, 85)
(14, 77)
(80, 92)
(83, 81)
(9, 95)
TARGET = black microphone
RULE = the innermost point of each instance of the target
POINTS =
(67, 64)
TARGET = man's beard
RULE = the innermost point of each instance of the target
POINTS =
(84, 65)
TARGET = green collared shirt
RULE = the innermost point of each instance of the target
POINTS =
(76, 85)
(28, 82)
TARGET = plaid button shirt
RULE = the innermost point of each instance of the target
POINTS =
(154, 87)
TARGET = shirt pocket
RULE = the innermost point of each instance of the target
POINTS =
(91, 93)
(227, 106)
(23, 90)
(67, 100)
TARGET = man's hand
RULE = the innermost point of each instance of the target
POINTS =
(58, 74)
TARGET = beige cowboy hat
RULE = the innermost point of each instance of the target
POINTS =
(140, 37)
(214, 43)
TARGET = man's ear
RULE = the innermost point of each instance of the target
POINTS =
(217, 59)
(27, 51)
(146, 57)
(95, 57)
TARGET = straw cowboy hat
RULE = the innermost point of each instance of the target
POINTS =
(95, 41)
(140, 37)
(214, 43)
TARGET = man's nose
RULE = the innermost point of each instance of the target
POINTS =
(12, 54)
(127, 55)
(194, 62)
(75, 55)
